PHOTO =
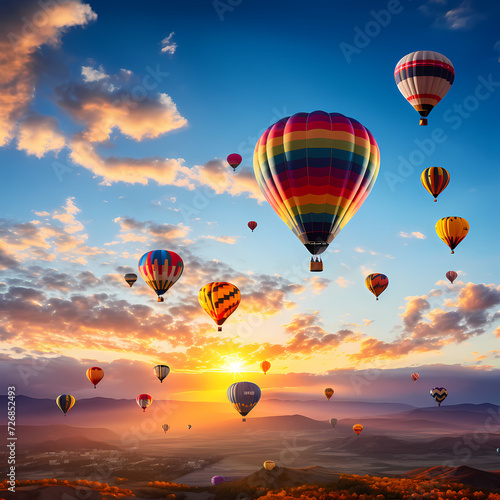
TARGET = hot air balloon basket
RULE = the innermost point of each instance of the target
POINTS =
(316, 266)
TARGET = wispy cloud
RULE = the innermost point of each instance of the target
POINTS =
(168, 45)
(415, 234)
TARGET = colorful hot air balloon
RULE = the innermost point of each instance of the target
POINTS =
(424, 78)
(165, 428)
(243, 396)
(439, 394)
(435, 179)
(234, 160)
(316, 170)
(160, 269)
(452, 276)
(95, 375)
(357, 428)
(333, 422)
(219, 300)
(329, 392)
(144, 400)
(217, 480)
(452, 230)
(376, 283)
(269, 465)
(264, 366)
(252, 225)
(498, 450)
(131, 278)
(65, 402)
(189, 426)
(414, 376)
(161, 371)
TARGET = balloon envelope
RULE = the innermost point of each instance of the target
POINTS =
(452, 230)
(160, 269)
(329, 392)
(219, 300)
(65, 402)
(316, 170)
(189, 426)
(452, 276)
(144, 400)
(217, 480)
(165, 428)
(439, 394)
(95, 375)
(435, 179)
(424, 78)
(357, 428)
(252, 225)
(161, 371)
(414, 376)
(333, 422)
(269, 465)
(376, 283)
(131, 278)
(265, 365)
(243, 396)
(234, 160)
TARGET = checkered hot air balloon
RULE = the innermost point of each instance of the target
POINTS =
(424, 78)
(414, 376)
(160, 269)
(219, 300)
(316, 170)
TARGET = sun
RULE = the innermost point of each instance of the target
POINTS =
(234, 365)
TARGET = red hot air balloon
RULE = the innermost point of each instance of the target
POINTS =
(95, 375)
(252, 225)
(452, 276)
(265, 365)
(144, 400)
(414, 376)
(234, 160)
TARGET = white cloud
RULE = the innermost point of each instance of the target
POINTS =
(169, 47)
(93, 75)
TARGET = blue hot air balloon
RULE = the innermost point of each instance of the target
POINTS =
(244, 396)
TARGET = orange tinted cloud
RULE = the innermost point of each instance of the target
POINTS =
(39, 134)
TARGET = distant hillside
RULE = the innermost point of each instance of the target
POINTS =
(463, 474)
(278, 423)
(75, 443)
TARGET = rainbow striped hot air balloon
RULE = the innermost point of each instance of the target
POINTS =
(424, 78)
(316, 170)
(160, 269)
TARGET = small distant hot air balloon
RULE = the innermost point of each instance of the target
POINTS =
(424, 78)
(252, 225)
(452, 276)
(376, 283)
(161, 371)
(357, 428)
(165, 428)
(219, 300)
(439, 394)
(264, 366)
(65, 402)
(329, 392)
(234, 160)
(435, 179)
(333, 422)
(189, 426)
(243, 396)
(414, 376)
(95, 375)
(452, 230)
(498, 450)
(269, 465)
(160, 269)
(131, 278)
(316, 170)
(144, 400)
(217, 480)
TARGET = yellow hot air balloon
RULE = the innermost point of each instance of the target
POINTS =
(357, 428)
(65, 402)
(328, 392)
(452, 230)
(219, 300)
(269, 465)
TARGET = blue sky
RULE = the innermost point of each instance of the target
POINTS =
(233, 69)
